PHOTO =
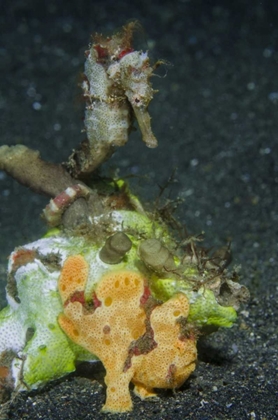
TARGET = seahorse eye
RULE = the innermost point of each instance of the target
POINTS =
(138, 101)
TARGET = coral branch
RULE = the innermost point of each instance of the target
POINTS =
(55, 209)
(26, 166)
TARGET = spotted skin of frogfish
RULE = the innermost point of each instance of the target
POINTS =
(136, 342)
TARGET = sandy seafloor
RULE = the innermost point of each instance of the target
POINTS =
(216, 119)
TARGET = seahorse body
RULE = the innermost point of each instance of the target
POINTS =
(135, 74)
(116, 87)
(107, 115)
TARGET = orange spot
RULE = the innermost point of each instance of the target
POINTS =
(108, 301)
(177, 312)
(136, 334)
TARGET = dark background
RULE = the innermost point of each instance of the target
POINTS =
(215, 118)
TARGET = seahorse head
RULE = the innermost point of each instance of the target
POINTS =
(135, 73)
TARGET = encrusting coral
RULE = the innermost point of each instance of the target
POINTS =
(109, 281)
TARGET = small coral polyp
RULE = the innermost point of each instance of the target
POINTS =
(137, 338)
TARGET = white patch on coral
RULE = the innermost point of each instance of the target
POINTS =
(53, 207)
(12, 302)
(52, 245)
(144, 55)
(12, 333)
(117, 217)
(70, 192)
(113, 69)
(16, 369)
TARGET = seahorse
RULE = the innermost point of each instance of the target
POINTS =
(116, 87)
